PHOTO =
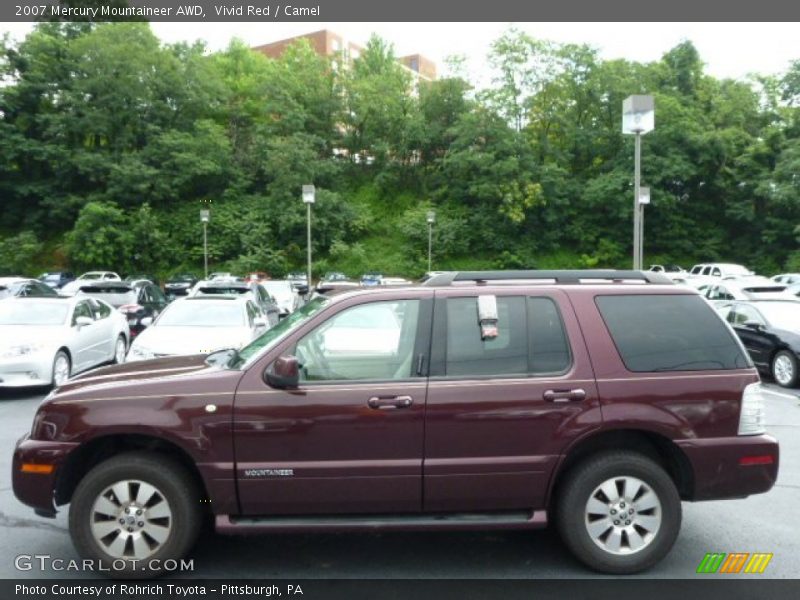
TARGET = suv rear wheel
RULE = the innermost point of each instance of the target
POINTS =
(619, 512)
(132, 509)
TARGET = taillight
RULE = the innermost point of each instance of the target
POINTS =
(752, 420)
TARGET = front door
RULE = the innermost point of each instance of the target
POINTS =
(349, 439)
(500, 411)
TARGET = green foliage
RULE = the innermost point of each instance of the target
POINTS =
(110, 141)
(18, 252)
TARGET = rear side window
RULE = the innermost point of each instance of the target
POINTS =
(670, 333)
(531, 339)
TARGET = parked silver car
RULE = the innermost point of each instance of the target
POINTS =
(46, 340)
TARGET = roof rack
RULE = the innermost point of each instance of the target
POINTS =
(560, 277)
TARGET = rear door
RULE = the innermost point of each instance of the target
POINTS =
(501, 411)
(751, 328)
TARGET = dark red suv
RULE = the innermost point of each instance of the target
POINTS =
(595, 399)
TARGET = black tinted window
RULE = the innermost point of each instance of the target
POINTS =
(669, 333)
(549, 351)
(467, 354)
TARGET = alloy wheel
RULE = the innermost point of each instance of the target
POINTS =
(119, 350)
(783, 370)
(60, 369)
(131, 519)
(623, 515)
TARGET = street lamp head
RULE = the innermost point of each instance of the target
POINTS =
(308, 194)
(431, 217)
(638, 114)
(204, 216)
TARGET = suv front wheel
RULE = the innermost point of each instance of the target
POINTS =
(618, 512)
(132, 512)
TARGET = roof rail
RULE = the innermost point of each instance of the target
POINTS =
(560, 277)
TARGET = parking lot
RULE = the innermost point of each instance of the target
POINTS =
(762, 523)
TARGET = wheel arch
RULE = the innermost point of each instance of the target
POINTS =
(95, 451)
(655, 446)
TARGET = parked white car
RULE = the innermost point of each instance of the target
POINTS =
(711, 272)
(787, 278)
(44, 341)
(91, 277)
(744, 288)
(284, 293)
(200, 325)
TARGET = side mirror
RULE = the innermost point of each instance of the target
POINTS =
(260, 322)
(146, 321)
(83, 321)
(284, 373)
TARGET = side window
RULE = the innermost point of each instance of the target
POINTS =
(468, 355)
(143, 295)
(101, 311)
(82, 309)
(549, 350)
(707, 271)
(747, 314)
(669, 332)
(368, 341)
(716, 272)
(157, 295)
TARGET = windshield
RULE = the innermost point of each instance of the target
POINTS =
(33, 313)
(91, 276)
(52, 276)
(201, 313)
(269, 337)
(783, 315)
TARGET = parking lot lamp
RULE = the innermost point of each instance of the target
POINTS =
(308, 199)
(205, 214)
(644, 200)
(638, 118)
(431, 217)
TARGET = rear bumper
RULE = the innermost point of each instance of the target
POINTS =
(732, 467)
(37, 489)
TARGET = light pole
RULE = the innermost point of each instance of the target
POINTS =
(644, 199)
(431, 217)
(638, 118)
(308, 199)
(204, 216)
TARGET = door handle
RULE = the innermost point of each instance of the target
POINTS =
(564, 395)
(390, 402)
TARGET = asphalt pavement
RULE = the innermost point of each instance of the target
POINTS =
(762, 523)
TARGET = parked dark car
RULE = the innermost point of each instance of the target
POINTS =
(497, 400)
(56, 279)
(150, 301)
(140, 302)
(770, 330)
(179, 285)
(21, 287)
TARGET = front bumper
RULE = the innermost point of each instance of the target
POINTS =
(732, 467)
(38, 489)
(28, 370)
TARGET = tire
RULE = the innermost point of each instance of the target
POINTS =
(60, 374)
(784, 369)
(649, 532)
(170, 512)
(116, 358)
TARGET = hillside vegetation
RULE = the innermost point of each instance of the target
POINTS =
(111, 142)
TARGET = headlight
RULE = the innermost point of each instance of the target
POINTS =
(140, 353)
(20, 350)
